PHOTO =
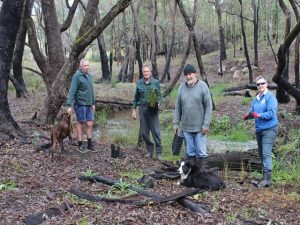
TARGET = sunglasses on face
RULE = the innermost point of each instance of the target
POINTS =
(262, 83)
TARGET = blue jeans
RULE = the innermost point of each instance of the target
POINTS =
(84, 113)
(265, 140)
(195, 144)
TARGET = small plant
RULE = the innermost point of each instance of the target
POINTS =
(152, 98)
(83, 221)
(120, 188)
(7, 186)
(220, 125)
(89, 173)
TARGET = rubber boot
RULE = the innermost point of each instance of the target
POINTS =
(267, 179)
(202, 162)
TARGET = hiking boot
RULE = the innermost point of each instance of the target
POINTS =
(82, 149)
(91, 147)
(267, 179)
(159, 157)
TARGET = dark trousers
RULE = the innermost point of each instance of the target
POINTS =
(150, 122)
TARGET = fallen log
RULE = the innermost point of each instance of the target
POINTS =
(238, 93)
(111, 182)
(156, 197)
(94, 198)
(235, 160)
(249, 86)
(40, 217)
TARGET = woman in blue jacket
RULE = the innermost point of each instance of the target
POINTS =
(264, 111)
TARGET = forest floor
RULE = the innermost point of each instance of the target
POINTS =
(42, 183)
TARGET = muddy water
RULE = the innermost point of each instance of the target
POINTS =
(122, 122)
(116, 123)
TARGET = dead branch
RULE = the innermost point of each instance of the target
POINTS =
(94, 198)
(155, 197)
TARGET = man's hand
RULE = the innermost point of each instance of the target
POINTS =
(69, 110)
(94, 108)
(254, 115)
(204, 131)
(245, 117)
(133, 114)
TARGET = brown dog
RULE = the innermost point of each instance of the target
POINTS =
(60, 132)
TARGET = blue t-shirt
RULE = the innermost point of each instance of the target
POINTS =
(266, 107)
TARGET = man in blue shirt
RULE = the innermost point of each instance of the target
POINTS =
(264, 111)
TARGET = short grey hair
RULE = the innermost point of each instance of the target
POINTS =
(147, 66)
(82, 61)
(261, 77)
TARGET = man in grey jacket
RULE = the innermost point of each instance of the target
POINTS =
(193, 114)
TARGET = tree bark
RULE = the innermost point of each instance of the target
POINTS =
(223, 54)
(297, 44)
(137, 36)
(153, 13)
(169, 52)
(179, 71)
(255, 8)
(282, 94)
(245, 43)
(10, 13)
(19, 83)
(278, 78)
(106, 74)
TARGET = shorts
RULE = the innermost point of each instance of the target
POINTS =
(84, 113)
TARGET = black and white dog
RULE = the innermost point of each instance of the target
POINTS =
(191, 175)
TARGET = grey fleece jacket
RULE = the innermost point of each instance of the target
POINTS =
(193, 107)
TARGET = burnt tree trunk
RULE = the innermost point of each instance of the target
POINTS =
(245, 43)
(281, 55)
(179, 70)
(255, 8)
(10, 13)
(223, 54)
(19, 83)
(281, 94)
(106, 75)
(153, 13)
(137, 36)
(297, 43)
(169, 52)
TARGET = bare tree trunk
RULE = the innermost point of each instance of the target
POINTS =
(106, 75)
(221, 31)
(282, 54)
(153, 14)
(19, 83)
(10, 13)
(255, 8)
(170, 49)
(297, 43)
(245, 43)
(137, 37)
(179, 71)
(281, 94)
